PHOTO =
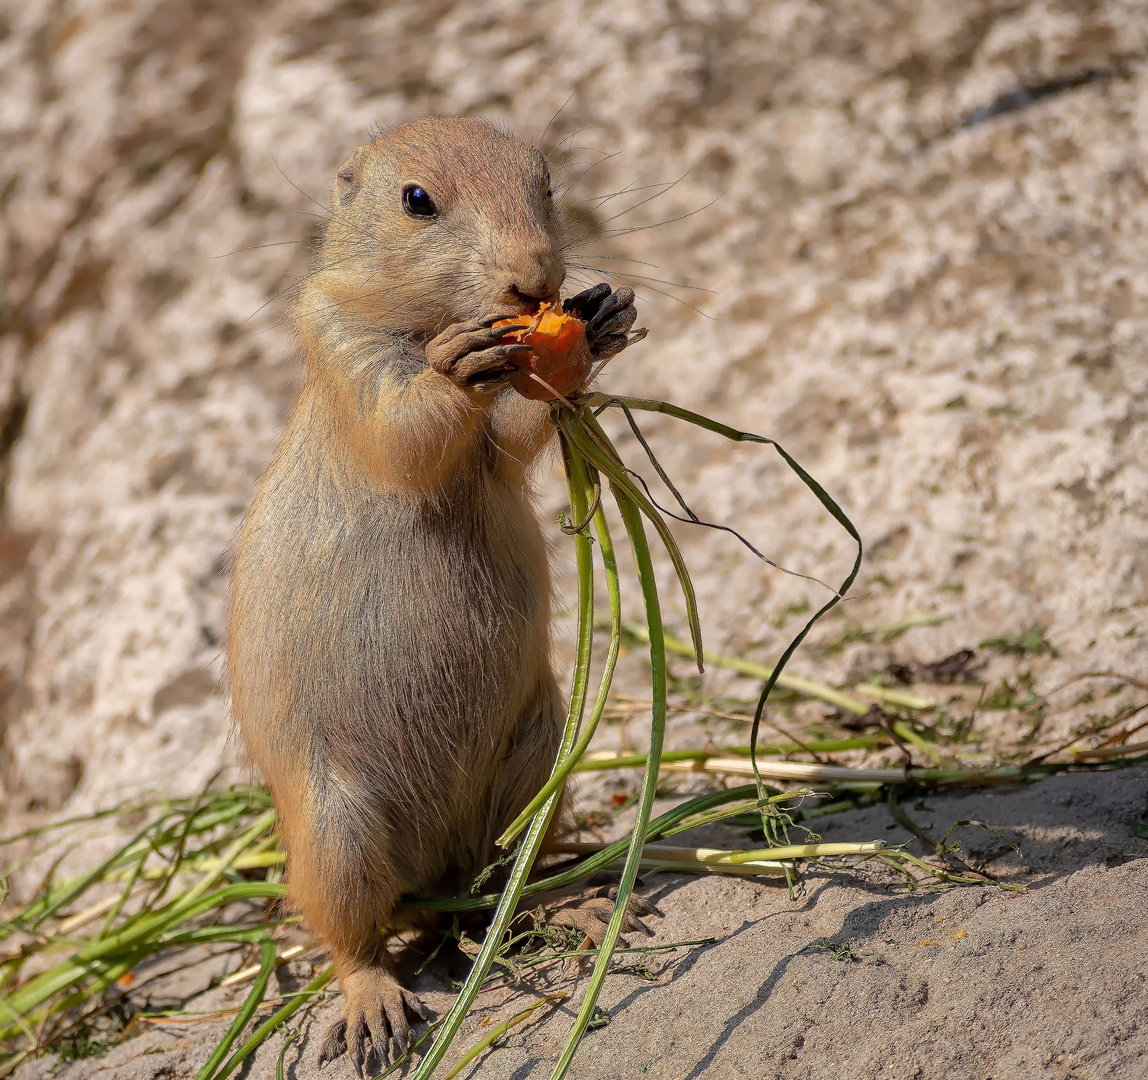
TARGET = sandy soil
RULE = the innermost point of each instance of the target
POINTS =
(856, 978)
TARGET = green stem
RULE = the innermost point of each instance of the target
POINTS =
(589, 438)
(501, 1029)
(632, 517)
(259, 1035)
(722, 815)
(64, 894)
(736, 856)
(104, 975)
(245, 839)
(804, 851)
(124, 895)
(252, 1002)
(570, 762)
(528, 851)
(609, 759)
(697, 805)
(884, 696)
(625, 761)
(580, 485)
(822, 496)
(146, 841)
(734, 435)
(90, 960)
(903, 731)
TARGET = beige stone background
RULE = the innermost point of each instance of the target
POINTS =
(924, 232)
(941, 312)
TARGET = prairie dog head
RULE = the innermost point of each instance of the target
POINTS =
(438, 221)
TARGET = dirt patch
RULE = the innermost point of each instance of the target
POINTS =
(857, 977)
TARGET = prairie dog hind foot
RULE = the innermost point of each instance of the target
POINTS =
(376, 1018)
(589, 910)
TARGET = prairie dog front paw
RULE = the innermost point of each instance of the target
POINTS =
(471, 354)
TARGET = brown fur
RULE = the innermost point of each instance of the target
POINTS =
(388, 641)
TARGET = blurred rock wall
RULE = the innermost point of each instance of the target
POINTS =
(923, 223)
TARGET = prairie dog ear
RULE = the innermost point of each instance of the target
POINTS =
(349, 178)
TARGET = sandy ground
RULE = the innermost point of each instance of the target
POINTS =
(923, 228)
(855, 978)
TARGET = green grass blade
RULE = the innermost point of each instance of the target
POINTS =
(102, 975)
(721, 815)
(759, 671)
(20, 1023)
(88, 960)
(175, 862)
(611, 760)
(823, 497)
(632, 517)
(260, 1034)
(252, 1002)
(249, 836)
(499, 1030)
(631, 761)
(84, 819)
(652, 458)
(126, 892)
(570, 762)
(592, 441)
(697, 805)
(214, 935)
(581, 485)
(47, 906)
(599, 401)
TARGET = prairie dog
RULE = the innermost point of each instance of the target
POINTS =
(388, 640)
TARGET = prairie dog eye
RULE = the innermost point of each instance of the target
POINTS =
(417, 202)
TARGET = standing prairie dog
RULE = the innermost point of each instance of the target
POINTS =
(388, 641)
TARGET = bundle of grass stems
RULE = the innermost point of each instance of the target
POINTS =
(203, 875)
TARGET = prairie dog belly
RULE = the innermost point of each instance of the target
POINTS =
(416, 638)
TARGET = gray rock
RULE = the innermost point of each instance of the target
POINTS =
(943, 319)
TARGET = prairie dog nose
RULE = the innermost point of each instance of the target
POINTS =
(535, 277)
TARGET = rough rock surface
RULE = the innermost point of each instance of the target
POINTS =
(940, 311)
(923, 225)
